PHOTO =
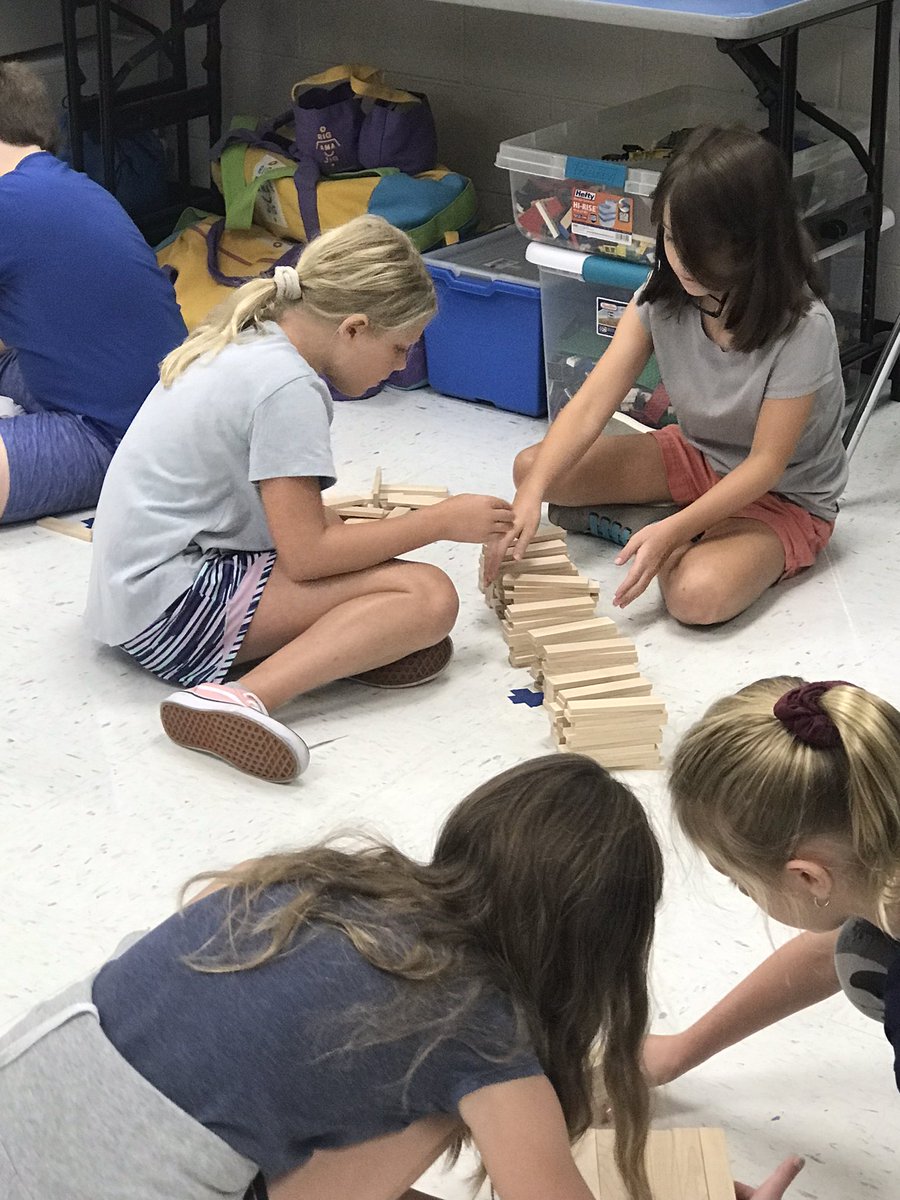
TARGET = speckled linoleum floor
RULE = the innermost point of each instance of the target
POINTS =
(101, 818)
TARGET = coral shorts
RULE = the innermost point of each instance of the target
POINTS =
(690, 476)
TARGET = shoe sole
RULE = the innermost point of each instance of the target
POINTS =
(405, 674)
(243, 744)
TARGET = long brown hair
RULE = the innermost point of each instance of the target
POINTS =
(729, 202)
(747, 792)
(543, 883)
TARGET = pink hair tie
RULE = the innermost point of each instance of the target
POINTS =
(801, 714)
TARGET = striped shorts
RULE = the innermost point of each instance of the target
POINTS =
(197, 637)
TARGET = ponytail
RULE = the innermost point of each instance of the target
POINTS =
(870, 734)
(748, 789)
(366, 266)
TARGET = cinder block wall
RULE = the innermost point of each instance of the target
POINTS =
(491, 75)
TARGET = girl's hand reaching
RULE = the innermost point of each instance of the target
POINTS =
(649, 547)
(469, 518)
(775, 1186)
(526, 516)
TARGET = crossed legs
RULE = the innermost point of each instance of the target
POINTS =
(703, 583)
(307, 634)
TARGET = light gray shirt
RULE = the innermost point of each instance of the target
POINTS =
(184, 478)
(717, 395)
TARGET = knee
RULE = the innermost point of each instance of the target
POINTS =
(697, 595)
(524, 462)
(436, 600)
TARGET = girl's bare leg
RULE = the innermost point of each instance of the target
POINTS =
(381, 1169)
(625, 469)
(310, 633)
(720, 576)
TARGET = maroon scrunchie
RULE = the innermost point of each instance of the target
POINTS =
(801, 714)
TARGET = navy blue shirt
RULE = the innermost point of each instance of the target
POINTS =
(82, 299)
(892, 1013)
(277, 1060)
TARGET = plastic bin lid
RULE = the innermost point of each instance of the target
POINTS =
(572, 149)
(496, 255)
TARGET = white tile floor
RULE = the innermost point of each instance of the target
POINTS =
(102, 818)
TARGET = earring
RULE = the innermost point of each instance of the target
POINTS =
(818, 905)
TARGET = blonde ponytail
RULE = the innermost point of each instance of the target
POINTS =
(366, 266)
(746, 791)
(870, 735)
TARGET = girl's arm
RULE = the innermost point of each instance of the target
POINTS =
(311, 546)
(778, 430)
(577, 427)
(521, 1135)
(798, 974)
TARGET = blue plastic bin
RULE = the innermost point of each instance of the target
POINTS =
(485, 342)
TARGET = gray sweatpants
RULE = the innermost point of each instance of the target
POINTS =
(77, 1122)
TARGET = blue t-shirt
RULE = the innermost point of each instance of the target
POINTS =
(276, 1060)
(82, 299)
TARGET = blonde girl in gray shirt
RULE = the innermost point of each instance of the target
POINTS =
(212, 547)
(748, 353)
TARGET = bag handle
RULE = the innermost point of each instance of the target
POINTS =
(213, 245)
(364, 80)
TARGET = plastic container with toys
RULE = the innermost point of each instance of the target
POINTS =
(587, 184)
(583, 296)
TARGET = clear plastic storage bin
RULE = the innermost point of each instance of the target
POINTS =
(583, 295)
(565, 192)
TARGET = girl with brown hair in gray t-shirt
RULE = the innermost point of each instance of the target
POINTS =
(748, 354)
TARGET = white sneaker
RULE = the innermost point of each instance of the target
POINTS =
(230, 722)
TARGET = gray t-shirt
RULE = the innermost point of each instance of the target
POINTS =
(717, 395)
(184, 479)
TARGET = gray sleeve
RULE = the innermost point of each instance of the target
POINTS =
(642, 310)
(808, 359)
(290, 436)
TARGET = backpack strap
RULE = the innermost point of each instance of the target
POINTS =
(214, 241)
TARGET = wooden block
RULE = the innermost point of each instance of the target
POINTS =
(551, 564)
(349, 501)
(715, 1163)
(619, 708)
(590, 629)
(558, 680)
(376, 487)
(398, 512)
(645, 761)
(534, 576)
(558, 652)
(636, 686)
(409, 499)
(72, 529)
(416, 489)
(570, 606)
(538, 549)
(369, 511)
(357, 520)
(682, 1164)
(545, 533)
(646, 736)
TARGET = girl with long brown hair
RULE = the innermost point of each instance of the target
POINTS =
(748, 353)
(327, 1022)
